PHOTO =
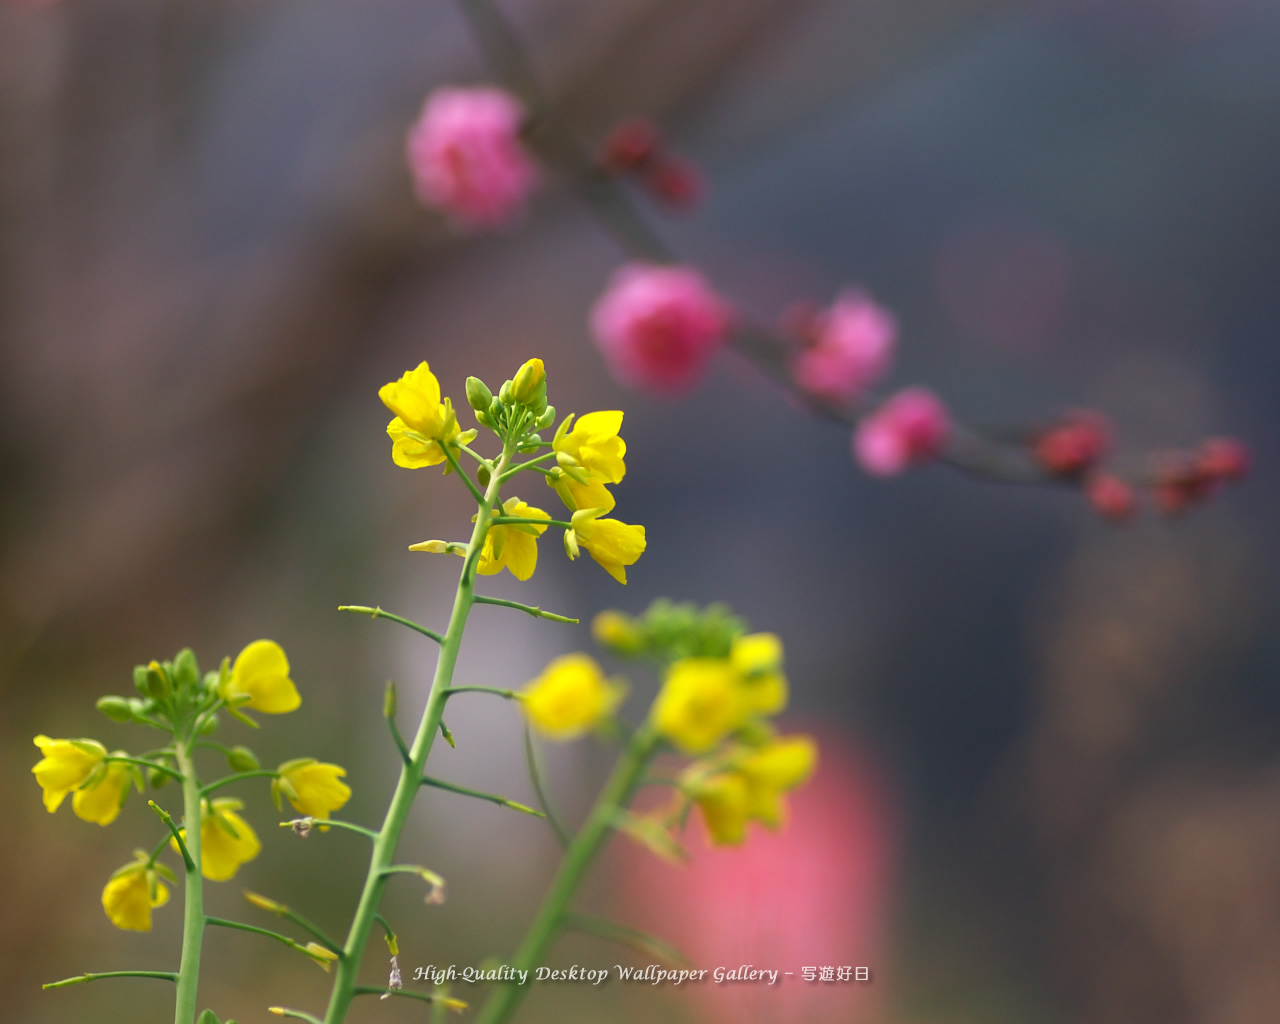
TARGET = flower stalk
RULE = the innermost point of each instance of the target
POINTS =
(193, 919)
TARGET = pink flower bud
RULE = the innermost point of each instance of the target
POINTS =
(1112, 498)
(658, 327)
(676, 183)
(911, 427)
(850, 348)
(1224, 458)
(631, 146)
(467, 159)
(1070, 447)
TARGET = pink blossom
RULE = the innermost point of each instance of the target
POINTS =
(814, 894)
(467, 159)
(658, 327)
(851, 348)
(910, 427)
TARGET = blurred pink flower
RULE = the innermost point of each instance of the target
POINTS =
(814, 894)
(910, 427)
(467, 158)
(851, 347)
(658, 327)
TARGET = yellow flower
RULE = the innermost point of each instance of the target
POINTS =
(617, 631)
(66, 766)
(771, 770)
(595, 445)
(131, 895)
(261, 671)
(577, 495)
(102, 801)
(513, 547)
(700, 703)
(570, 697)
(422, 421)
(613, 544)
(758, 658)
(749, 786)
(226, 840)
(314, 788)
(321, 955)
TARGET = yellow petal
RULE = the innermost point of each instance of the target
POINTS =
(101, 803)
(318, 788)
(700, 703)
(221, 853)
(409, 450)
(128, 903)
(570, 697)
(415, 398)
(65, 766)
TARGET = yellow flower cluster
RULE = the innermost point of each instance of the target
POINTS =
(704, 699)
(747, 784)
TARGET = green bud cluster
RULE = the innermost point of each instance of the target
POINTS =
(668, 630)
(519, 410)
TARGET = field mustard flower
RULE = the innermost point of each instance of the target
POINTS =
(595, 445)
(102, 801)
(314, 788)
(570, 697)
(226, 840)
(577, 495)
(723, 801)
(758, 658)
(66, 766)
(131, 894)
(771, 770)
(613, 544)
(700, 703)
(513, 547)
(261, 671)
(422, 421)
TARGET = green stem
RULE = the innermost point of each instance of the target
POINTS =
(80, 979)
(323, 823)
(410, 781)
(578, 858)
(541, 790)
(257, 773)
(253, 929)
(528, 464)
(378, 613)
(165, 769)
(505, 694)
(492, 798)
(533, 610)
(193, 920)
(522, 521)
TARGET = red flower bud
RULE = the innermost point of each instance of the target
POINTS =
(1224, 458)
(676, 183)
(1112, 498)
(1073, 445)
(632, 146)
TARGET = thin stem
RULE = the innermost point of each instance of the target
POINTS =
(193, 920)
(378, 613)
(311, 929)
(474, 454)
(533, 610)
(505, 694)
(578, 858)
(410, 780)
(209, 713)
(522, 521)
(240, 926)
(284, 1011)
(176, 833)
(621, 934)
(80, 979)
(159, 849)
(163, 768)
(406, 993)
(466, 477)
(324, 823)
(257, 773)
(492, 798)
(536, 773)
(528, 464)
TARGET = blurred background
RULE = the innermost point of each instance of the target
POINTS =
(1051, 777)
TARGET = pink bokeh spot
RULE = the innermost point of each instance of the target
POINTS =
(814, 894)
(658, 327)
(467, 159)
(851, 348)
(911, 427)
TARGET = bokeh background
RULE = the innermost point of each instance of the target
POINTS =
(1052, 788)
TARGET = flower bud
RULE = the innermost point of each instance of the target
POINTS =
(208, 724)
(531, 443)
(530, 380)
(482, 475)
(1112, 498)
(115, 708)
(478, 394)
(617, 632)
(242, 759)
(186, 671)
(389, 701)
(158, 685)
(571, 544)
(547, 418)
(140, 680)
(504, 393)
(156, 778)
(431, 547)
